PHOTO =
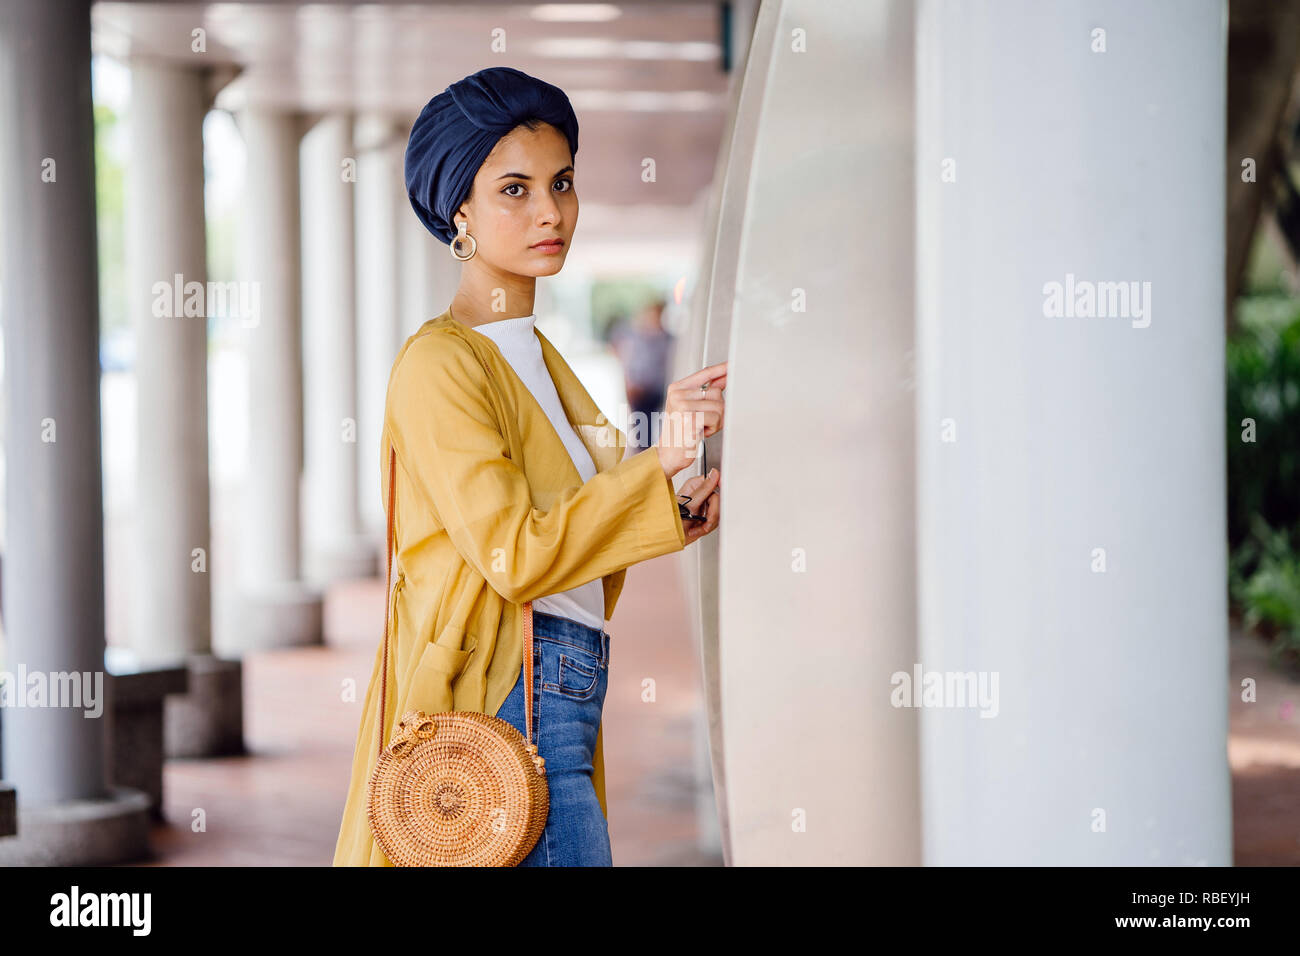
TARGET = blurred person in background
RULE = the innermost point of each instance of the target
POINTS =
(645, 348)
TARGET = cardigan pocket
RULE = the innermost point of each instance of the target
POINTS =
(431, 683)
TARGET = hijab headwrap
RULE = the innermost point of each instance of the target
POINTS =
(458, 128)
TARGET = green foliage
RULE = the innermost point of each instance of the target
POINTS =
(1263, 394)
(1270, 593)
(1263, 389)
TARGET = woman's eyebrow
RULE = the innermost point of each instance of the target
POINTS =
(566, 169)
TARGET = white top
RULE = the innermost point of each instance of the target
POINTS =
(520, 346)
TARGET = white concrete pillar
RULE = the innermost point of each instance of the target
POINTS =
(278, 607)
(813, 286)
(166, 252)
(336, 548)
(55, 744)
(166, 248)
(380, 144)
(705, 341)
(1071, 466)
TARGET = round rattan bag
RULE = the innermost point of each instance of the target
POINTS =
(457, 788)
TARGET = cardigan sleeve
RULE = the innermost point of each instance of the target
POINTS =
(449, 444)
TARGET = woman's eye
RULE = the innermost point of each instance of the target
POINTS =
(567, 183)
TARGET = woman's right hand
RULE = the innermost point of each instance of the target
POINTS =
(690, 415)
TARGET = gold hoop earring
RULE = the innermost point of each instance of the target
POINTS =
(462, 234)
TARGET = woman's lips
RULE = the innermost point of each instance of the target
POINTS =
(551, 246)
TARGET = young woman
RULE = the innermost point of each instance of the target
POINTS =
(511, 486)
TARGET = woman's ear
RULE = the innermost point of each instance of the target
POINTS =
(463, 210)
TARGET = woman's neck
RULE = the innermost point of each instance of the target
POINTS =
(472, 307)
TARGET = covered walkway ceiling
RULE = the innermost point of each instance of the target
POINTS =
(647, 80)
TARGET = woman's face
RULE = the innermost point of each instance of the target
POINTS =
(523, 194)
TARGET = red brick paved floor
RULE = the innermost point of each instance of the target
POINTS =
(281, 805)
(1264, 751)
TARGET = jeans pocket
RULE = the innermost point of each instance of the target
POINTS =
(577, 676)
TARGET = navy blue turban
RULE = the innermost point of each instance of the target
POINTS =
(458, 128)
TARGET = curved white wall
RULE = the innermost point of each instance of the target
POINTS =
(812, 279)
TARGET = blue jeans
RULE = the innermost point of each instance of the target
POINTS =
(570, 674)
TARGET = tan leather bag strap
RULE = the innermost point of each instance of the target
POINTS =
(388, 603)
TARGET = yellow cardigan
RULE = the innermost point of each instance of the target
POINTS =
(490, 512)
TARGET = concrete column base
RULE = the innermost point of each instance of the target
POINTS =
(114, 829)
(287, 615)
(208, 719)
(345, 560)
(135, 725)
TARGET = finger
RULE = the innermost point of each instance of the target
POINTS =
(703, 496)
(692, 419)
(714, 389)
(713, 392)
(683, 407)
(699, 395)
(699, 486)
(700, 404)
(696, 379)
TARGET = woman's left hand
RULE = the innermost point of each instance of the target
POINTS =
(706, 499)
